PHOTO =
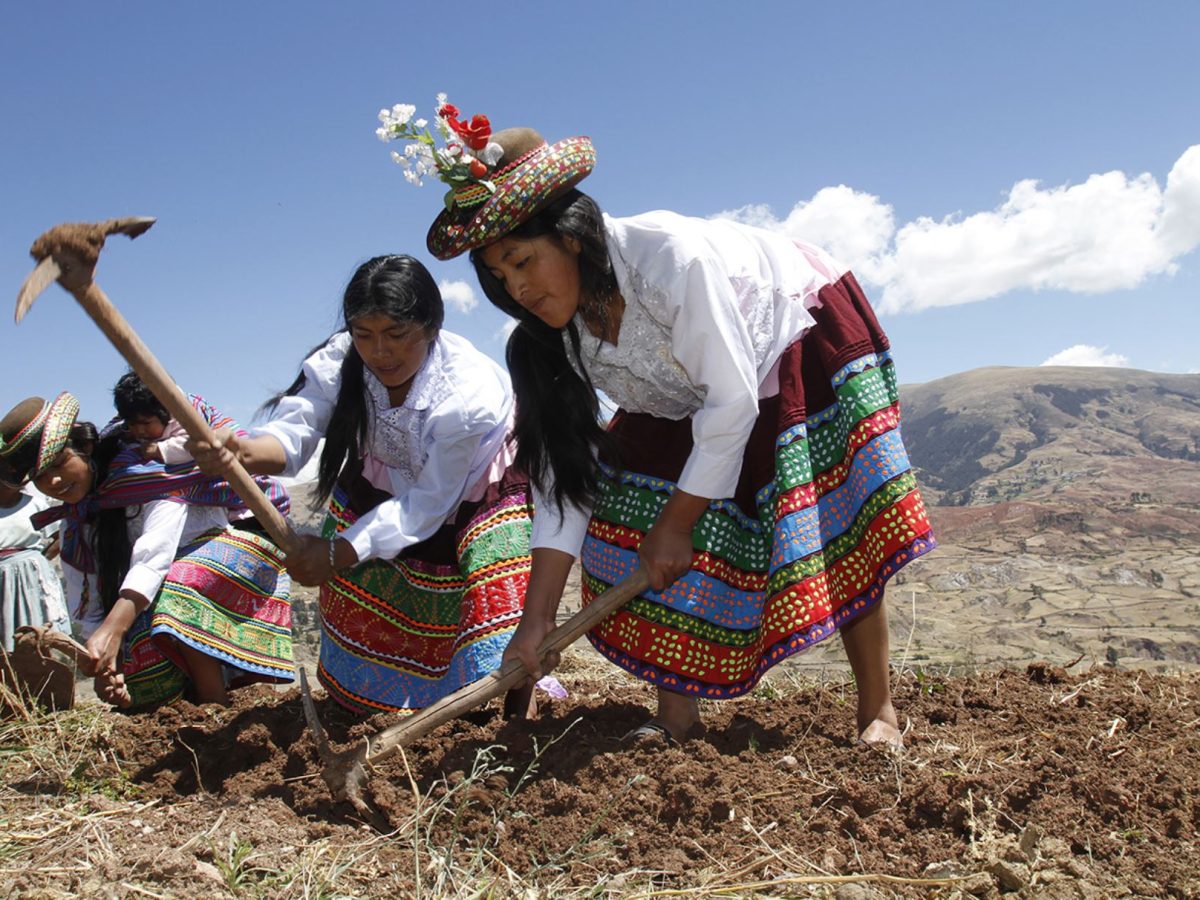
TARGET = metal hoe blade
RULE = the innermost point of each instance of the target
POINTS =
(39, 279)
(314, 722)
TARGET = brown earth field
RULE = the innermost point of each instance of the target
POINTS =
(1033, 781)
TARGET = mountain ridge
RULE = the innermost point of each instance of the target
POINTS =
(998, 434)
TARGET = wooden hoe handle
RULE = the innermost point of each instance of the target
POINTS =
(385, 744)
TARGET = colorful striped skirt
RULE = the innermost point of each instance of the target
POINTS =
(825, 512)
(401, 634)
(225, 595)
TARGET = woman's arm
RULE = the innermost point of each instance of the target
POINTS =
(262, 455)
(547, 580)
(299, 421)
(666, 551)
(150, 559)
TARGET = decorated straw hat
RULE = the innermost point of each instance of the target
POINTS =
(33, 434)
(496, 181)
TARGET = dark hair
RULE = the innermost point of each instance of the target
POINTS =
(558, 427)
(110, 533)
(400, 288)
(134, 400)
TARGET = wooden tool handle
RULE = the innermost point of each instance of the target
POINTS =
(385, 744)
(150, 370)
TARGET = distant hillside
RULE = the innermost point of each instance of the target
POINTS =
(1055, 433)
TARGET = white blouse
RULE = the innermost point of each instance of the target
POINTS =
(16, 529)
(427, 453)
(710, 307)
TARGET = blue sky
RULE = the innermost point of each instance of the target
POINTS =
(998, 175)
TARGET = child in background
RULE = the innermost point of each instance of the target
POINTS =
(171, 597)
(148, 423)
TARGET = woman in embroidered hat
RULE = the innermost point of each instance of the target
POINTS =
(170, 598)
(754, 468)
(424, 559)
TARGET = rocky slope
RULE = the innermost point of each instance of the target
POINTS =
(1055, 433)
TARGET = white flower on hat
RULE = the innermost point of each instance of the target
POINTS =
(402, 112)
(491, 153)
(395, 121)
(454, 164)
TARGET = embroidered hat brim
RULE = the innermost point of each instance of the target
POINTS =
(535, 180)
(34, 433)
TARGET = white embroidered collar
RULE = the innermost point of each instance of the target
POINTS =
(423, 392)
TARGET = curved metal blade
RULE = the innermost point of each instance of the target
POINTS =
(130, 225)
(39, 279)
(314, 721)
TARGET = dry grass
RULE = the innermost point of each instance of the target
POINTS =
(68, 808)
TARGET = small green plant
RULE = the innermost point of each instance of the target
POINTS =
(233, 864)
(766, 690)
(84, 780)
(927, 683)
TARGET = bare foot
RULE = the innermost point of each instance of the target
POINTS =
(881, 735)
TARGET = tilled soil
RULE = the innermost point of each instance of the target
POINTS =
(1028, 780)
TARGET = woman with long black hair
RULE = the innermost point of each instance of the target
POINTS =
(754, 469)
(424, 559)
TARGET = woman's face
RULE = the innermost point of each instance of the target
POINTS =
(541, 274)
(68, 478)
(393, 351)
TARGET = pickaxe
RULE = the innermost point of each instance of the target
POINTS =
(68, 253)
(34, 670)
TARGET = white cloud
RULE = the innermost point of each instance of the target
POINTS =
(1087, 355)
(458, 295)
(847, 223)
(1109, 233)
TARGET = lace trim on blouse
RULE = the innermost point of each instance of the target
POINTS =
(640, 374)
(394, 434)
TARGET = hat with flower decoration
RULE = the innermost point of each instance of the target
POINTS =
(33, 434)
(496, 181)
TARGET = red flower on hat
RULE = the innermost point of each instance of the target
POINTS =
(449, 112)
(478, 169)
(475, 133)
